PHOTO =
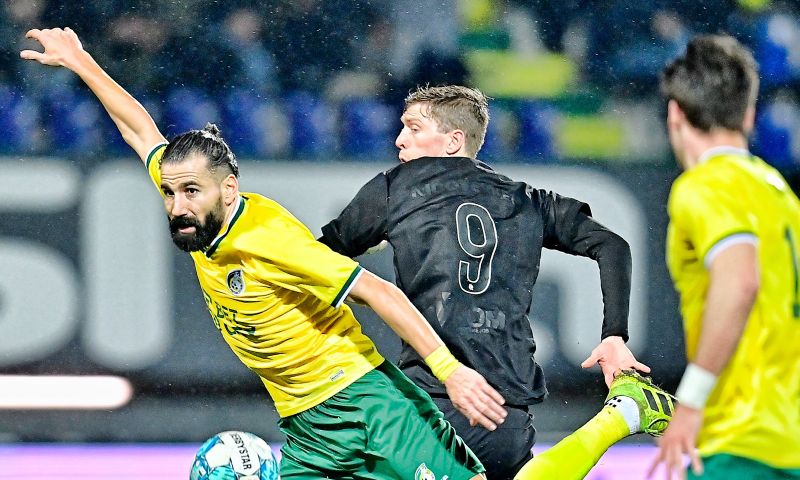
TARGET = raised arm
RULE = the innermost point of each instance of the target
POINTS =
(62, 48)
(468, 390)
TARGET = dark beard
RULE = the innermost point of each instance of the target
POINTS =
(204, 232)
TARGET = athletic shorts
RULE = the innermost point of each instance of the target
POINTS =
(731, 467)
(504, 451)
(382, 426)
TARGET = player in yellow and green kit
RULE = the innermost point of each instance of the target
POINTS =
(732, 251)
(276, 296)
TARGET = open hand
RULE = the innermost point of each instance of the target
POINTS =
(679, 439)
(61, 47)
(472, 395)
(613, 355)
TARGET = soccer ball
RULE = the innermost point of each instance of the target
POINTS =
(234, 456)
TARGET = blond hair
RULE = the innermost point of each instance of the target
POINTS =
(456, 107)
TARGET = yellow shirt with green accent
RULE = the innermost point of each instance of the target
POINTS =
(732, 197)
(276, 295)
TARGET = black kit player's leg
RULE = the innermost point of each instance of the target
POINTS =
(504, 451)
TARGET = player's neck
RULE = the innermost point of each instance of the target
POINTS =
(231, 209)
(700, 143)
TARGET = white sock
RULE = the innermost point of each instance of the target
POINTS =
(629, 410)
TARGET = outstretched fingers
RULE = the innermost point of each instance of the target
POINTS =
(73, 36)
(33, 34)
(485, 413)
(592, 360)
(497, 399)
(671, 455)
(492, 404)
(477, 418)
(672, 461)
(475, 398)
(641, 367)
(32, 55)
(60, 46)
(696, 463)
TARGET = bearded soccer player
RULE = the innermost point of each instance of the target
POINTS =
(732, 251)
(276, 295)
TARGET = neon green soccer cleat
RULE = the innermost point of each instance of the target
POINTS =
(655, 405)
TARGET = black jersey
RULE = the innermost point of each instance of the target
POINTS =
(467, 244)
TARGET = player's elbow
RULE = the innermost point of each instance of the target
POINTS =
(613, 247)
(619, 244)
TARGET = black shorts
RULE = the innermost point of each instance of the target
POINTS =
(504, 451)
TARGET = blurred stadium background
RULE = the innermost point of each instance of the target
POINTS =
(309, 93)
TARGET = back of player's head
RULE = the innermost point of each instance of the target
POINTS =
(207, 142)
(456, 107)
(714, 82)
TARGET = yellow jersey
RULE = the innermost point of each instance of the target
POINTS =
(732, 196)
(276, 295)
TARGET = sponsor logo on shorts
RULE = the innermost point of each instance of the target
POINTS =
(236, 282)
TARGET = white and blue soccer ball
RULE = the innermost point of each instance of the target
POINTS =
(235, 456)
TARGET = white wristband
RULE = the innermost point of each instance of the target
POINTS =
(695, 387)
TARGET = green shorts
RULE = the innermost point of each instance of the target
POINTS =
(382, 426)
(731, 467)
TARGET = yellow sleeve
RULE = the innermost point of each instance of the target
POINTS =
(153, 164)
(708, 213)
(289, 256)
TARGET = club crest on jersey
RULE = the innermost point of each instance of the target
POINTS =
(236, 282)
(425, 473)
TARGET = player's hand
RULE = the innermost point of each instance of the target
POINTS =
(61, 47)
(679, 438)
(475, 398)
(613, 355)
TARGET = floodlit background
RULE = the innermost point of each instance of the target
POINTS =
(107, 353)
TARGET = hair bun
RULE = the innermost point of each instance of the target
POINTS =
(212, 128)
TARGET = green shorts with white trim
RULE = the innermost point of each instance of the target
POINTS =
(382, 426)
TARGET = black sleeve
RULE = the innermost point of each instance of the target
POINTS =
(362, 223)
(570, 228)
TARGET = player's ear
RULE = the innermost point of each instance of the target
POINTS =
(749, 120)
(674, 113)
(230, 189)
(456, 143)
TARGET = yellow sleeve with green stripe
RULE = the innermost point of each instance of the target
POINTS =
(297, 261)
(153, 164)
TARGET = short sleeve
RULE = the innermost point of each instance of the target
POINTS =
(287, 254)
(153, 164)
(708, 216)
